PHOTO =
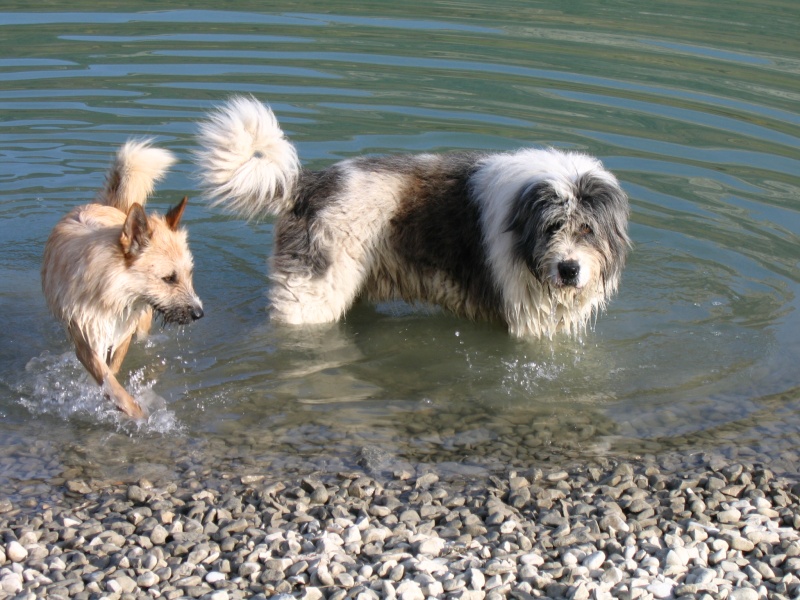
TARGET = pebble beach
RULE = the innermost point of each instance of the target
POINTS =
(695, 525)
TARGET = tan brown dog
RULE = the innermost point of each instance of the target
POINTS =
(108, 266)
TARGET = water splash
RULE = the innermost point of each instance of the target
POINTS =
(528, 376)
(58, 385)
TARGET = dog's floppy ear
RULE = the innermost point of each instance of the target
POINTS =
(135, 232)
(527, 208)
(528, 219)
(173, 217)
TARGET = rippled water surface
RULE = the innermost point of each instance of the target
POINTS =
(693, 107)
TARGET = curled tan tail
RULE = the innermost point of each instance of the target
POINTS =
(137, 166)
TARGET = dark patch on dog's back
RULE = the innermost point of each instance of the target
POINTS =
(437, 226)
(295, 250)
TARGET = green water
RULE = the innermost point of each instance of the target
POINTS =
(693, 105)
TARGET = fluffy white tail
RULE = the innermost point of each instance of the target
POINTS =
(246, 163)
(137, 167)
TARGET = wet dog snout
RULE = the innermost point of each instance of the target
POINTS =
(569, 270)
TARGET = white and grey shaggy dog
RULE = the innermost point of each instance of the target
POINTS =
(535, 239)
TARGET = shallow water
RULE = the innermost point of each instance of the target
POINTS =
(694, 109)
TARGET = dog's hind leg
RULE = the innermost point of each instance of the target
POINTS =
(309, 303)
(103, 375)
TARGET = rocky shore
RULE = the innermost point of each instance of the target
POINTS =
(674, 527)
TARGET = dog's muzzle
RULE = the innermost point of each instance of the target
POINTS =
(569, 272)
(180, 315)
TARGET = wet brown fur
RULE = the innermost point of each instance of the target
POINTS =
(108, 266)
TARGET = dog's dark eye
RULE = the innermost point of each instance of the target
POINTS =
(554, 227)
(585, 230)
(171, 279)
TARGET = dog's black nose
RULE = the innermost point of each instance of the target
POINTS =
(197, 313)
(568, 270)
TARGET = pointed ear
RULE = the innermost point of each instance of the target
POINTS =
(173, 217)
(135, 232)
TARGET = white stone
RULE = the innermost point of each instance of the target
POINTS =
(677, 557)
(11, 583)
(431, 566)
(508, 526)
(16, 552)
(569, 559)
(532, 559)
(615, 522)
(431, 546)
(661, 589)
(311, 593)
(493, 582)
(122, 584)
(158, 535)
(732, 515)
(387, 590)
(579, 592)
(214, 577)
(704, 576)
(351, 535)
(743, 593)
(759, 535)
(594, 560)
(324, 575)
(375, 534)
(345, 580)
(147, 579)
(612, 576)
(328, 545)
(477, 579)
(409, 590)
(433, 589)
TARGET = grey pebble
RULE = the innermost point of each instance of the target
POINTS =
(147, 579)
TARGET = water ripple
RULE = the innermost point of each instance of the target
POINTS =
(695, 112)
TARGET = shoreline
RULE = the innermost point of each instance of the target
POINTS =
(673, 526)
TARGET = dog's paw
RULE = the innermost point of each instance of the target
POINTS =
(123, 400)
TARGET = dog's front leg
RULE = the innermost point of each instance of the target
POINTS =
(144, 324)
(102, 374)
(119, 355)
(120, 396)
